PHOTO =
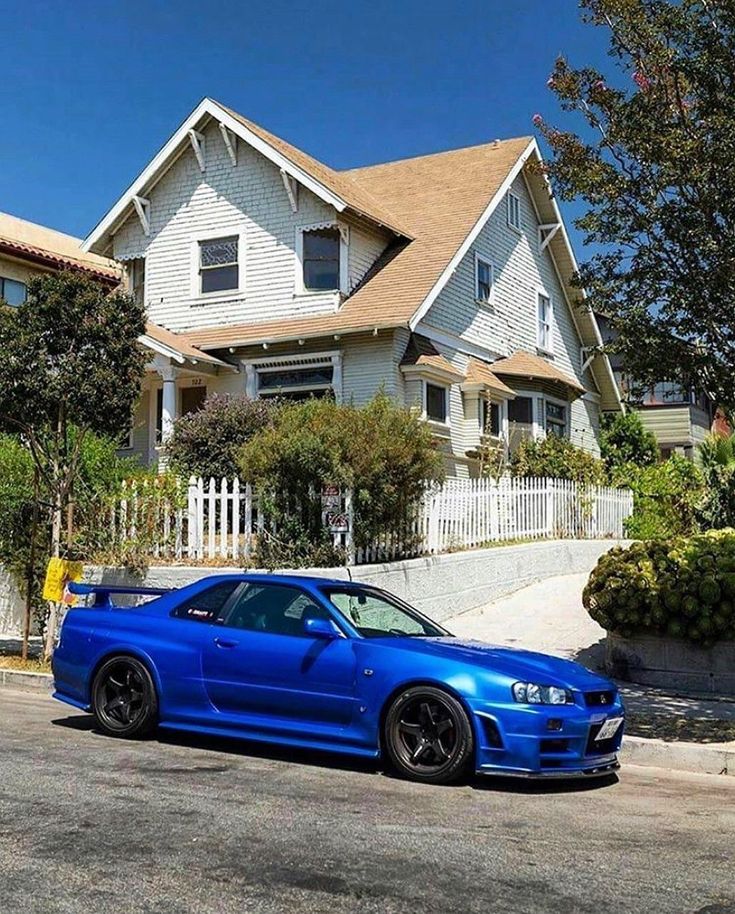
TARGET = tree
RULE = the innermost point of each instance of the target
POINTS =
(716, 460)
(623, 439)
(71, 365)
(654, 162)
(207, 442)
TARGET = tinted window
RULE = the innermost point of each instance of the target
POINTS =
(519, 410)
(207, 605)
(274, 608)
(436, 403)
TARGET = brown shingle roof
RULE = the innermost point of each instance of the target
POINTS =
(525, 365)
(180, 343)
(340, 183)
(479, 372)
(421, 352)
(440, 197)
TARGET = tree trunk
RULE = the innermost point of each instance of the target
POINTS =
(31, 571)
(56, 527)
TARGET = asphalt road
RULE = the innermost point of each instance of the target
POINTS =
(96, 825)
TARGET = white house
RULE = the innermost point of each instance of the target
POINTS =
(443, 279)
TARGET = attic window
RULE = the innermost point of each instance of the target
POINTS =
(218, 264)
(514, 211)
(483, 280)
(321, 264)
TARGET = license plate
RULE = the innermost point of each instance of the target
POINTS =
(609, 729)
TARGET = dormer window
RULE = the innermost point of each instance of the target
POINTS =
(321, 259)
(514, 211)
(219, 269)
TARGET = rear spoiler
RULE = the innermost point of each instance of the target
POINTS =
(103, 592)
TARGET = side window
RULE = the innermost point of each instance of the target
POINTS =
(274, 608)
(207, 605)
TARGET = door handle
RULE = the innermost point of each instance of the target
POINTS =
(225, 642)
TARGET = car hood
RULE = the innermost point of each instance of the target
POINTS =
(516, 663)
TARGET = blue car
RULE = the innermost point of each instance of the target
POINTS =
(332, 665)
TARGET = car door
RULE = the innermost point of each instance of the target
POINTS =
(261, 665)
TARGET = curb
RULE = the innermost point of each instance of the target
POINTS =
(26, 682)
(695, 757)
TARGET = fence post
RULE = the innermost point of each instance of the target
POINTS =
(350, 536)
(192, 535)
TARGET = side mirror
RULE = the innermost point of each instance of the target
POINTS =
(321, 628)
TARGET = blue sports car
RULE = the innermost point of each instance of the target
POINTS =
(332, 665)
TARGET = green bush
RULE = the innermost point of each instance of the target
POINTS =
(716, 459)
(383, 452)
(623, 439)
(665, 498)
(206, 443)
(684, 588)
(557, 458)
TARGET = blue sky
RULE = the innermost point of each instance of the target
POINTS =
(90, 90)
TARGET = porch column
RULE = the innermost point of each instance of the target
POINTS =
(168, 402)
(337, 376)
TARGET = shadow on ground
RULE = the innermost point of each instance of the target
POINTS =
(333, 761)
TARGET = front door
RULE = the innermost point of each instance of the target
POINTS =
(261, 666)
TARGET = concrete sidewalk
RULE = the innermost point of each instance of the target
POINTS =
(549, 617)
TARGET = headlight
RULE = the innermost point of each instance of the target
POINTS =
(531, 693)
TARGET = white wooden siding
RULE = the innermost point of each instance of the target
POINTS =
(250, 198)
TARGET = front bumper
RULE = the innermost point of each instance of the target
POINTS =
(545, 741)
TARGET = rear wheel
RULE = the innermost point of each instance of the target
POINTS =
(124, 698)
(428, 735)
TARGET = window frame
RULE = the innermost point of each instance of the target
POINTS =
(480, 259)
(549, 323)
(425, 383)
(565, 406)
(344, 240)
(18, 282)
(197, 295)
(513, 200)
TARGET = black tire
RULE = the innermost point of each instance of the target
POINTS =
(428, 736)
(124, 698)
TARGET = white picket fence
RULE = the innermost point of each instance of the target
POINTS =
(220, 520)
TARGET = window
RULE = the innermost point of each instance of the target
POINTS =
(376, 615)
(491, 418)
(514, 211)
(192, 399)
(520, 410)
(159, 416)
(296, 383)
(556, 419)
(12, 291)
(667, 393)
(137, 280)
(436, 402)
(484, 279)
(273, 608)
(219, 269)
(209, 604)
(545, 316)
(321, 259)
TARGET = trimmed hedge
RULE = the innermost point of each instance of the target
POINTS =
(683, 588)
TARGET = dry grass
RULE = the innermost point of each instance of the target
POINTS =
(25, 666)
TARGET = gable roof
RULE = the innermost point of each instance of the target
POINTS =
(335, 188)
(47, 247)
(526, 365)
(422, 354)
(442, 198)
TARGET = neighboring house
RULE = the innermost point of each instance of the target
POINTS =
(441, 279)
(678, 417)
(27, 249)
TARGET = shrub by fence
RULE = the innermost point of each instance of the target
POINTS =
(220, 519)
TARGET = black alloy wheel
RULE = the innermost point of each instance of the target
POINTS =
(124, 698)
(428, 735)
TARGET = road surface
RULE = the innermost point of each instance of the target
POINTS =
(96, 825)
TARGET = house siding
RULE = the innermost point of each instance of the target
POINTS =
(509, 323)
(246, 198)
(676, 426)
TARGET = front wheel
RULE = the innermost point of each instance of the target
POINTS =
(428, 735)
(124, 699)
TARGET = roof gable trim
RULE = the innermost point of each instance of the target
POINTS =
(161, 160)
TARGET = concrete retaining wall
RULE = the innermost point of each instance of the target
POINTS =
(671, 663)
(441, 586)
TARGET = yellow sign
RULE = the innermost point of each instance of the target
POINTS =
(58, 574)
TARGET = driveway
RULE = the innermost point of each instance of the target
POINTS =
(96, 825)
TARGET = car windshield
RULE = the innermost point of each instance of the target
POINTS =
(377, 615)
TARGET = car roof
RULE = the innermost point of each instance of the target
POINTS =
(293, 579)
